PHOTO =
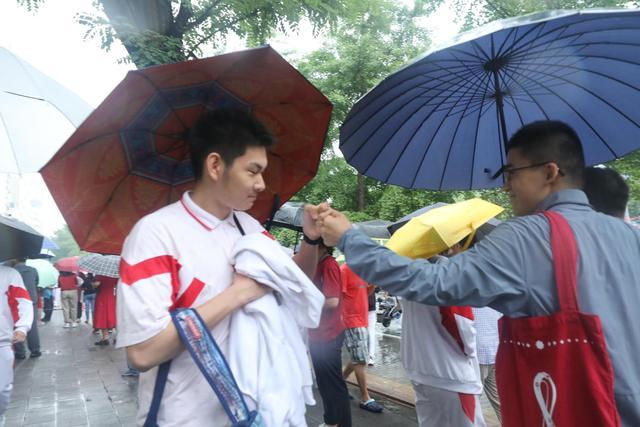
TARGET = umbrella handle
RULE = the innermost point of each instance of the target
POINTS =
(469, 240)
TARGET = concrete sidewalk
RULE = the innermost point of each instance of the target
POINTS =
(387, 378)
(76, 383)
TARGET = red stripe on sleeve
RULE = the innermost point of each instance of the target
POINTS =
(189, 296)
(13, 293)
(132, 273)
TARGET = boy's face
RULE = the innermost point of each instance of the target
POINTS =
(242, 181)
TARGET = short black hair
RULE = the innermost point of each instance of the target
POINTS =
(227, 132)
(606, 190)
(552, 141)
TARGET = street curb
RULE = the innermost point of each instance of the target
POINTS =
(398, 393)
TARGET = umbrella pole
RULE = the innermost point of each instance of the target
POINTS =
(274, 208)
(500, 108)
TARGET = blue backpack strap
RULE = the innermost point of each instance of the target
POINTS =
(197, 338)
(158, 391)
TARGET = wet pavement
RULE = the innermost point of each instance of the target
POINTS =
(76, 383)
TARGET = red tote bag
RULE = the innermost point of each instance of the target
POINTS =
(555, 370)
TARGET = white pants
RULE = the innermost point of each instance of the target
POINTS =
(443, 408)
(372, 334)
(6, 376)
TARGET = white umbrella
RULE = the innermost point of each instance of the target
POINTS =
(37, 115)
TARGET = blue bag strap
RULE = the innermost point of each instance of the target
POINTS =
(204, 351)
(158, 391)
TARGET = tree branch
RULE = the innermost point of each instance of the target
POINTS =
(191, 53)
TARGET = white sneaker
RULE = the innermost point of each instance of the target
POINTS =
(371, 361)
(67, 325)
(74, 325)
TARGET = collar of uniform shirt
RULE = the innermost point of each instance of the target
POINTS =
(205, 218)
(562, 197)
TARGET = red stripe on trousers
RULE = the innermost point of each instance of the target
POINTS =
(468, 402)
(449, 321)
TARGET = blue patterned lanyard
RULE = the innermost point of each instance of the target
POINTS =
(197, 338)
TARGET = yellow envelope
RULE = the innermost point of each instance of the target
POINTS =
(440, 228)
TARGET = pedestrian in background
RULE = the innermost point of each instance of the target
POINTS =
(69, 284)
(355, 307)
(89, 297)
(371, 327)
(30, 279)
(104, 317)
(325, 342)
(486, 320)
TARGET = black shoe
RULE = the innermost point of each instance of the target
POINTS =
(20, 356)
(35, 354)
(102, 342)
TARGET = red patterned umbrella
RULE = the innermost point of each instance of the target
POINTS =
(130, 157)
(68, 264)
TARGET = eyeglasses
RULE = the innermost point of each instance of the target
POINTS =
(509, 172)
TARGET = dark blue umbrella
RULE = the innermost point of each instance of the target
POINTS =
(18, 240)
(442, 121)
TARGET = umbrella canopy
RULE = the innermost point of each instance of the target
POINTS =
(47, 273)
(103, 265)
(290, 215)
(376, 228)
(28, 97)
(18, 240)
(49, 244)
(405, 219)
(130, 157)
(440, 228)
(442, 121)
(68, 264)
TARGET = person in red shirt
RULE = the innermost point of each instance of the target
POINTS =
(325, 342)
(355, 314)
(69, 284)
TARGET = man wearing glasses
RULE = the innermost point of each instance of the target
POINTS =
(512, 271)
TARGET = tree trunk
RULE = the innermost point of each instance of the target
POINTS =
(361, 192)
(136, 22)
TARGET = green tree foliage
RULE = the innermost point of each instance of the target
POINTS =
(376, 40)
(162, 31)
(68, 246)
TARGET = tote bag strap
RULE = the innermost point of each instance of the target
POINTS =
(564, 253)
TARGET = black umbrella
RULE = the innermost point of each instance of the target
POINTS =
(481, 233)
(405, 219)
(376, 228)
(290, 215)
(18, 240)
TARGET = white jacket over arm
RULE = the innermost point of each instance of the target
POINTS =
(267, 351)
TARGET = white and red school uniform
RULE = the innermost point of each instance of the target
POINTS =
(178, 256)
(16, 314)
(438, 352)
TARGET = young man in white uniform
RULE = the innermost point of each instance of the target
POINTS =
(16, 317)
(179, 256)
